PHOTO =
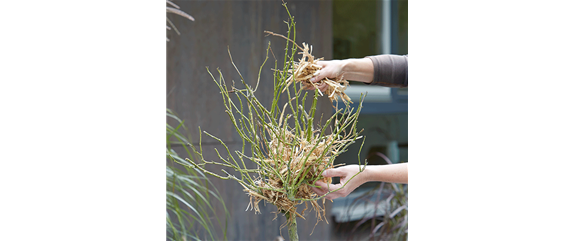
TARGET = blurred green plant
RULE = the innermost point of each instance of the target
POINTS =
(190, 208)
(191, 198)
(175, 10)
(393, 225)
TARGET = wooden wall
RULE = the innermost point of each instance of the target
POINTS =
(193, 95)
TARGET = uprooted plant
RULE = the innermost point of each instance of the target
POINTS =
(289, 151)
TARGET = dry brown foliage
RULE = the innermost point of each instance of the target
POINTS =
(307, 68)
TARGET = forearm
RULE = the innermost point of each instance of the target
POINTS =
(390, 70)
(396, 173)
(358, 70)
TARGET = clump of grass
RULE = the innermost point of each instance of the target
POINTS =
(289, 151)
(307, 67)
(191, 199)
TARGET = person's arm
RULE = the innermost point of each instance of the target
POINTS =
(396, 173)
(390, 70)
(386, 70)
(360, 70)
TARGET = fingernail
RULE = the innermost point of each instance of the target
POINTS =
(312, 79)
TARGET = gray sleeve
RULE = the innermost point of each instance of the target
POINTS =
(390, 70)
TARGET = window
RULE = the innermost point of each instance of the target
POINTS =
(363, 28)
(370, 27)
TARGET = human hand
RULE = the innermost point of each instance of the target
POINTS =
(331, 69)
(345, 172)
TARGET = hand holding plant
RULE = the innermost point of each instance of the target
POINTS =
(346, 186)
(395, 173)
(329, 69)
(361, 70)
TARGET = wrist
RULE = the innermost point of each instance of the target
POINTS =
(367, 174)
(348, 67)
(358, 70)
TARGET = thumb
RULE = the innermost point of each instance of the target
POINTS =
(333, 172)
(320, 75)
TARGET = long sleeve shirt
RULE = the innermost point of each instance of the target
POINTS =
(390, 70)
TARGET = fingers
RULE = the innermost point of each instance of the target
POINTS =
(334, 172)
(319, 191)
(345, 172)
(322, 73)
(323, 87)
(325, 188)
(329, 69)
(313, 79)
(322, 63)
(323, 185)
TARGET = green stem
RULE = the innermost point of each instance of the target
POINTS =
(292, 227)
